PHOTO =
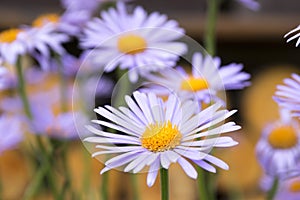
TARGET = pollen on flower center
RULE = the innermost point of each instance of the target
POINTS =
(283, 137)
(44, 19)
(194, 84)
(295, 186)
(10, 35)
(131, 44)
(161, 137)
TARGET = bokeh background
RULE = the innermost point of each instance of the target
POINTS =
(243, 36)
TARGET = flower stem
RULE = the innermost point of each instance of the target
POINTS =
(164, 182)
(21, 88)
(134, 183)
(62, 84)
(104, 186)
(272, 192)
(202, 184)
(210, 31)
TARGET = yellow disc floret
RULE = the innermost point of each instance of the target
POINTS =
(295, 186)
(45, 19)
(194, 84)
(10, 35)
(283, 137)
(161, 137)
(131, 44)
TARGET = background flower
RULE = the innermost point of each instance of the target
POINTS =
(136, 41)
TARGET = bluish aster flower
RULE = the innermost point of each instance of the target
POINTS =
(207, 78)
(156, 134)
(278, 149)
(287, 188)
(136, 41)
(30, 40)
(288, 95)
(10, 131)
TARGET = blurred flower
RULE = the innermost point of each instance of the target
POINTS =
(79, 5)
(288, 189)
(207, 78)
(278, 149)
(7, 78)
(10, 131)
(251, 4)
(59, 126)
(70, 23)
(297, 29)
(157, 134)
(288, 95)
(30, 40)
(134, 41)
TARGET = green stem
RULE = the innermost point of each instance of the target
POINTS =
(36, 183)
(22, 90)
(164, 182)
(210, 31)
(123, 87)
(135, 186)
(67, 182)
(202, 184)
(63, 85)
(272, 192)
(104, 186)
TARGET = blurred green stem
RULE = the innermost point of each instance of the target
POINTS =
(164, 184)
(63, 83)
(135, 186)
(210, 30)
(45, 160)
(202, 184)
(104, 186)
(272, 192)
(21, 88)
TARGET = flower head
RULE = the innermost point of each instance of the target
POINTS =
(278, 149)
(30, 40)
(134, 41)
(206, 79)
(288, 95)
(156, 134)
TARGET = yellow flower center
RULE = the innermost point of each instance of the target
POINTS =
(194, 84)
(295, 186)
(161, 137)
(10, 35)
(283, 137)
(132, 44)
(45, 19)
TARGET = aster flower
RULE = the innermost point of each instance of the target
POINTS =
(278, 149)
(251, 4)
(287, 188)
(157, 134)
(134, 41)
(69, 23)
(297, 35)
(11, 135)
(207, 78)
(59, 126)
(288, 95)
(29, 40)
